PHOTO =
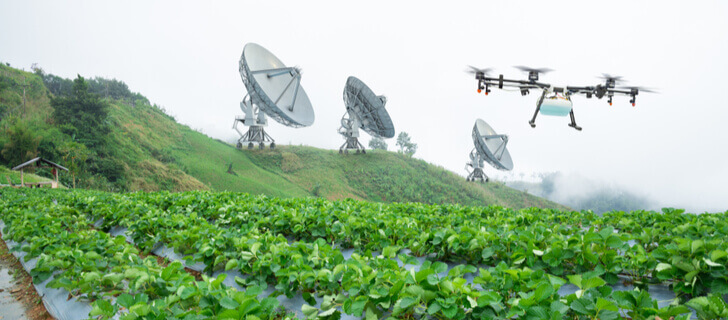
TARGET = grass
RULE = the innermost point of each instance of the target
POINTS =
(384, 177)
(14, 176)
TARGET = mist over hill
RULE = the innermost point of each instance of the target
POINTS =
(581, 193)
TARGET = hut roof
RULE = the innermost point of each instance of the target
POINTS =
(39, 162)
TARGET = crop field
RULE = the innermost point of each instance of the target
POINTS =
(354, 259)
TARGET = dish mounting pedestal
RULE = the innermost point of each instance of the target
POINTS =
(476, 163)
(350, 130)
(256, 122)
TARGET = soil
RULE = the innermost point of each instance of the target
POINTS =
(21, 286)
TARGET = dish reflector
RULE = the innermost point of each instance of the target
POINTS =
(275, 88)
(369, 108)
(491, 146)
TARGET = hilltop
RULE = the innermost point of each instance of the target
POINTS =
(146, 149)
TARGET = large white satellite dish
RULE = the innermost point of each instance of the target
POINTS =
(273, 90)
(364, 110)
(489, 147)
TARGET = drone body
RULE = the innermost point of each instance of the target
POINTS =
(554, 101)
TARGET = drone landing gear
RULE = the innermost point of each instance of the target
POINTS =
(573, 121)
(538, 108)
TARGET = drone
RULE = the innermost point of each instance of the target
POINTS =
(555, 101)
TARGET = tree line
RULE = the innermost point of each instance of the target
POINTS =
(76, 133)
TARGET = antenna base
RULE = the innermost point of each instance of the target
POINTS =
(350, 131)
(477, 175)
(255, 136)
(352, 143)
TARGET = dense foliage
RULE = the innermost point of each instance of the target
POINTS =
(82, 115)
(21, 145)
(66, 121)
(106, 88)
(503, 263)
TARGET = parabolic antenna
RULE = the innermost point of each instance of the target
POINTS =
(489, 147)
(274, 90)
(364, 110)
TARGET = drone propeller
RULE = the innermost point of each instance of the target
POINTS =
(533, 72)
(474, 70)
(640, 89)
(529, 69)
(612, 80)
(607, 76)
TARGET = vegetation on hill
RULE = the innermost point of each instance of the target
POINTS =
(113, 139)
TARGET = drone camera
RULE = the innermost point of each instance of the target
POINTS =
(524, 91)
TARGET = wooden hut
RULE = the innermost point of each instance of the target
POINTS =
(40, 163)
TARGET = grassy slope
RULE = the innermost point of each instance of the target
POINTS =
(160, 154)
(14, 176)
(150, 136)
(384, 176)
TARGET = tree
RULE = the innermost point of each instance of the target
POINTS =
(86, 114)
(74, 157)
(405, 145)
(22, 145)
(378, 143)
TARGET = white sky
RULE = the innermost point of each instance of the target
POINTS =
(184, 56)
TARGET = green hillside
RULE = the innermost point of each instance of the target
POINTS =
(8, 176)
(146, 149)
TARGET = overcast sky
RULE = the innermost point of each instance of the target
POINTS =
(184, 56)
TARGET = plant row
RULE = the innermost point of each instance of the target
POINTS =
(112, 275)
(314, 267)
(690, 252)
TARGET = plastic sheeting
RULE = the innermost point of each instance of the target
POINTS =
(293, 304)
(55, 300)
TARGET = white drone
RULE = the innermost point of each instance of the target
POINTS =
(555, 101)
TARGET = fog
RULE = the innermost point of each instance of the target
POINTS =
(184, 56)
(583, 193)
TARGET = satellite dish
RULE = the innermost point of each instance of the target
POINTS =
(489, 147)
(364, 110)
(273, 90)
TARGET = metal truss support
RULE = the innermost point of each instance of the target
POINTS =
(477, 174)
(350, 130)
(255, 135)
(476, 163)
